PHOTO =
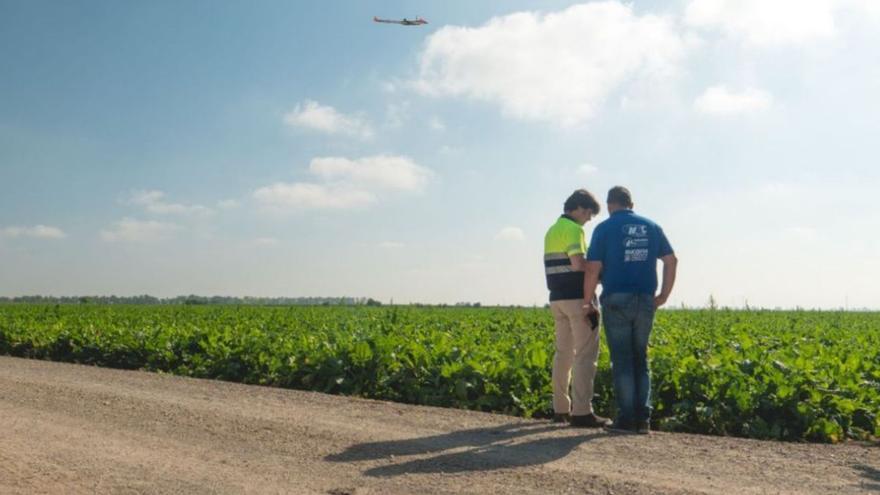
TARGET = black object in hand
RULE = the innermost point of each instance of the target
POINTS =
(594, 319)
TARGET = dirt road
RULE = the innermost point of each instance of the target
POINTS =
(79, 429)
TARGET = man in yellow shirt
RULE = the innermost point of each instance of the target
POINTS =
(577, 330)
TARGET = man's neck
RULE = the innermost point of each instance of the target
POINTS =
(572, 218)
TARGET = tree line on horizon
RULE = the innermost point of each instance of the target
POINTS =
(193, 299)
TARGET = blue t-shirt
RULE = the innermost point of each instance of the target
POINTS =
(628, 245)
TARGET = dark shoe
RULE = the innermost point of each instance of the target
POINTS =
(561, 418)
(589, 421)
(621, 427)
(643, 427)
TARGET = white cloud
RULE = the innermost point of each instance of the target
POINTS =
(869, 7)
(35, 232)
(347, 183)
(558, 67)
(510, 234)
(153, 202)
(768, 22)
(307, 196)
(397, 114)
(312, 115)
(436, 124)
(133, 230)
(228, 204)
(450, 150)
(376, 172)
(586, 169)
(719, 100)
(146, 197)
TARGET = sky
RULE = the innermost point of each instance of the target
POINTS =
(276, 148)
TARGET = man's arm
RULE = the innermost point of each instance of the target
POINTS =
(591, 280)
(578, 262)
(670, 263)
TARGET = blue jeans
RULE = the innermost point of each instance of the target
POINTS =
(628, 321)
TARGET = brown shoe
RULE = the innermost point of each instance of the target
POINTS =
(589, 421)
(561, 418)
(621, 427)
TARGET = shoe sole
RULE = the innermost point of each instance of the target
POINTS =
(576, 421)
(621, 431)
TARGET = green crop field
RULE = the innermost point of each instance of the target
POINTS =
(801, 375)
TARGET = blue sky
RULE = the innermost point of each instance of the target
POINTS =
(299, 149)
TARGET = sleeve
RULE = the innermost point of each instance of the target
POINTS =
(665, 248)
(575, 243)
(597, 246)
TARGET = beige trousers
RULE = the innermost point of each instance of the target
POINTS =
(577, 353)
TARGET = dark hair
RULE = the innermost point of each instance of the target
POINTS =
(583, 199)
(620, 195)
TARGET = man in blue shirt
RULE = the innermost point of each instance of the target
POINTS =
(623, 254)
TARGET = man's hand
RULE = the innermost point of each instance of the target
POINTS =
(670, 264)
(660, 300)
(592, 315)
(591, 280)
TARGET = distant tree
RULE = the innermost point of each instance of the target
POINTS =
(713, 305)
(190, 300)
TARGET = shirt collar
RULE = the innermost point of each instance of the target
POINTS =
(625, 211)
(569, 217)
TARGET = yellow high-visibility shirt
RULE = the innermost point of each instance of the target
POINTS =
(564, 239)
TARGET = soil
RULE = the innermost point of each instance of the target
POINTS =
(80, 429)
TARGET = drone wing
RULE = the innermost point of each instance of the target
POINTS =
(386, 21)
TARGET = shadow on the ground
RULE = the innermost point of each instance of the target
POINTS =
(485, 449)
(870, 473)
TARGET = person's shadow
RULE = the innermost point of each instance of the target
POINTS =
(870, 473)
(484, 449)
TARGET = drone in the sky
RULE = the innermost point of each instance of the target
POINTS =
(418, 21)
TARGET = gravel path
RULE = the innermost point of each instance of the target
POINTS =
(79, 429)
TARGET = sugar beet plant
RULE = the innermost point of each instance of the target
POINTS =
(781, 375)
